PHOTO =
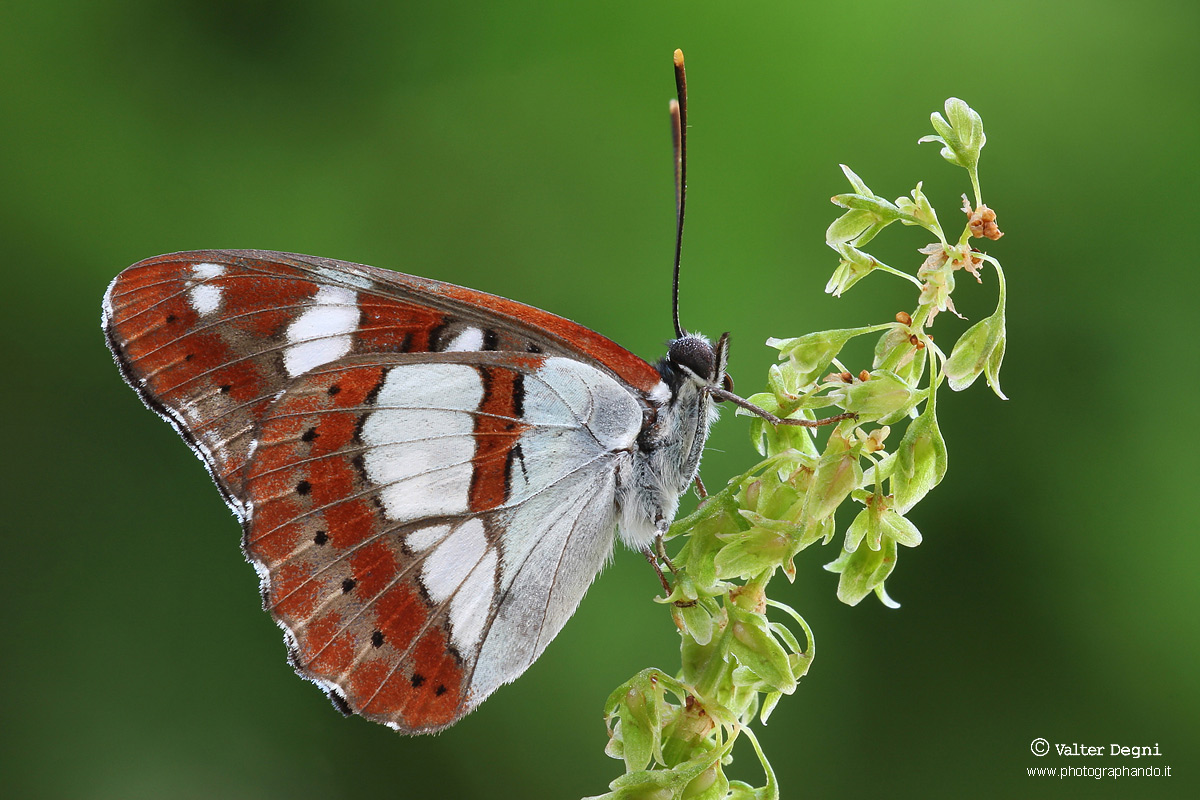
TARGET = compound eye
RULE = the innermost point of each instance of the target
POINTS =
(695, 354)
(727, 383)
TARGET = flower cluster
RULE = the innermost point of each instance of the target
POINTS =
(676, 731)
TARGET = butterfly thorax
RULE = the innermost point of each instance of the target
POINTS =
(671, 444)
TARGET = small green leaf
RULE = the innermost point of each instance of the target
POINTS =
(992, 370)
(882, 210)
(857, 530)
(960, 133)
(849, 226)
(858, 183)
(898, 528)
(769, 702)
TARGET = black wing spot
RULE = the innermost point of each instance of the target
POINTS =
(518, 393)
(321, 538)
(377, 639)
(332, 390)
(225, 389)
(490, 340)
(530, 347)
(440, 690)
(417, 680)
(303, 487)
(189, 356)
(348, 585)
(515, 456)
(309, 435)
(171, 318)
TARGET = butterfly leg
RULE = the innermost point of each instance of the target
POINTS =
(660, 553)
(660, 549)
(653, 559)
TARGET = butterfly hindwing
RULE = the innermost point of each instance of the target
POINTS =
(425, 525)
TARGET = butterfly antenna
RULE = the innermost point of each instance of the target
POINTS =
(679, 139)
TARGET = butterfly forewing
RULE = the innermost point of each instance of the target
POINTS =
(209, 338)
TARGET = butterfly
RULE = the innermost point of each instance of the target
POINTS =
(428, 477)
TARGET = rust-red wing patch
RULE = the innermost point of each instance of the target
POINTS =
(338, 577)
(498, 427)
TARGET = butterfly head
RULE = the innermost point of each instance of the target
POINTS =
(692, 358)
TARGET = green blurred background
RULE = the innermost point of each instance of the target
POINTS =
(522, 148)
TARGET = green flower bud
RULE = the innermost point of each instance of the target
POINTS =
(642, 785)
(755, 648)
(773, 498)
(886, 396)
(918, 211)
(837, 474)
(863, 571)
(698, 659)
(638, 706)
(856, 225)
(980, 348)
(700, 775)
(711, 784)
(755, 551)
(853, 266)
(896, 351)
(920, 460)
(687, 736)
(695, 620)
(717, 515)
